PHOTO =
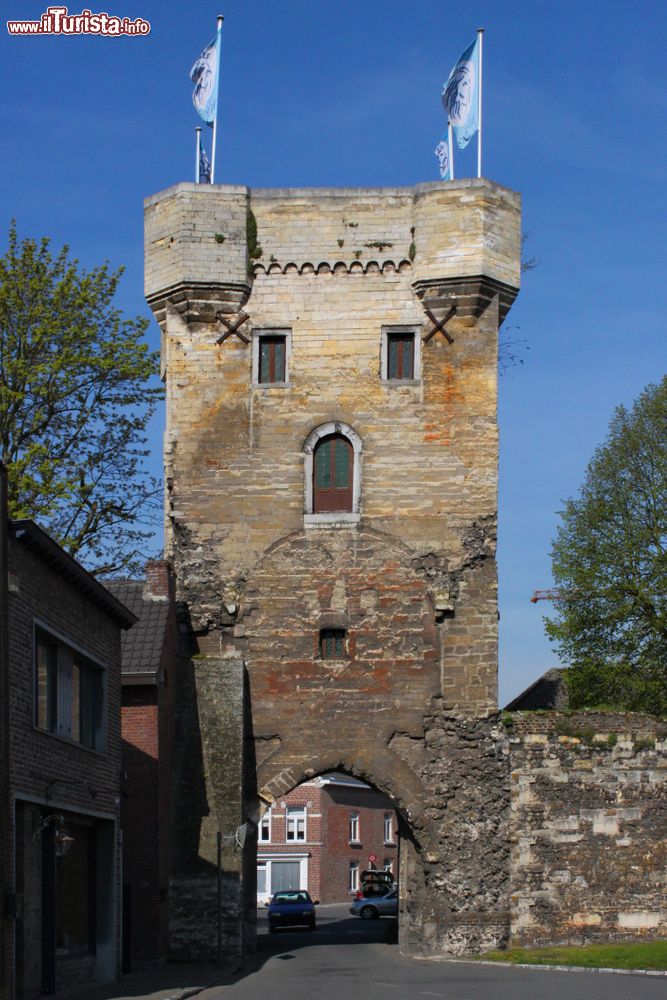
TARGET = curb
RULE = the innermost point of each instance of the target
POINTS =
(558, 968)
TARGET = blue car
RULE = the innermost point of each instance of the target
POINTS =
(289, 908)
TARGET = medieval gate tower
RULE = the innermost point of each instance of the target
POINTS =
(331, 457)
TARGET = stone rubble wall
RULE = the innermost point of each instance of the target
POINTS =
(588, 827)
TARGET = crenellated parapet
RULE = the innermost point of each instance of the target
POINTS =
(459, 243)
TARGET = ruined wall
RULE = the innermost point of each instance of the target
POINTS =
(409, 573)
(588, 828)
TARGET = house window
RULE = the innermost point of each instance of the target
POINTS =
(332, 475)
(353, 876)
(69, 693)
(354, 828)
(265, 828)
(388, 831)
(332, 643)
(388, 865)
(296, 823)
(400, 355)
(270, 358)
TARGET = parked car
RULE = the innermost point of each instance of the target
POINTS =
(378, 906)
(374, 882)
(290, 908)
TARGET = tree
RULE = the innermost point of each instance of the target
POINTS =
(610, 564)
(77, 389)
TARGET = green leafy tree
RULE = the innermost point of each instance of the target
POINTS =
(77, 388)
(610, 564)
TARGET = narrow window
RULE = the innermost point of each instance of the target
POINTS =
(272, 355)
(46, 701)
(354, 828)
(296, 823)
(388, 865)
(332, 643)
(332, 475)
(400, 356)
(354, 876)
(388, 832)
(265, 828)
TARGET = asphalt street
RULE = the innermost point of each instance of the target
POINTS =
(351, 959)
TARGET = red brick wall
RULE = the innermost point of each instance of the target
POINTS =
(327, 841)
(147, 725)
(141, 817)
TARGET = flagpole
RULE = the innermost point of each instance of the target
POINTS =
(197, 153)
(450, 144)
(217, 90)
(480, 36)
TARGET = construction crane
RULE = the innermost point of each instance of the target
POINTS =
(554, 594)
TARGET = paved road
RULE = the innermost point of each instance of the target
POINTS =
(350, 959)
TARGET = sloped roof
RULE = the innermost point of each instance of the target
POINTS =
(141, 647)
(29, 534)
(548, 691)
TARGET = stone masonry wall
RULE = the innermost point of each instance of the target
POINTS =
(588, 828)
(409, 575)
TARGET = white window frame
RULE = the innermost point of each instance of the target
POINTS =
(268, 858)
(388, 828)
(416, 357)
(388, 865)
(353, 876)
(292, 816)
(334, 517)
(268, 819)
(354, 828)
(256, 337)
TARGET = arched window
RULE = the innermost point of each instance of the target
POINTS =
(332, 467)
(333, 464)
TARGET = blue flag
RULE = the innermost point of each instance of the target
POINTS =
(204, 75)
(460, 96)
(204, 167)
(442, 152)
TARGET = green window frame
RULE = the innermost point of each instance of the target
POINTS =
(272, 359)
(400, 357)
(332, 644)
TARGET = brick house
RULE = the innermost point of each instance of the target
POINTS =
(322, 835)
(60, 766)
(148, 657)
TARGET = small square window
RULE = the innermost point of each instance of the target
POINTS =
(271, 358)
(400, 356)
(332, 643)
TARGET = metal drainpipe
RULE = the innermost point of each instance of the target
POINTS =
(7, 825)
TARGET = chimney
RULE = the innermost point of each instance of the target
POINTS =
(159, 581)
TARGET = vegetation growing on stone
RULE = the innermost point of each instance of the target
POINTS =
(254, 248)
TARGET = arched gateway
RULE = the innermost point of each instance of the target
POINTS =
(330, 458)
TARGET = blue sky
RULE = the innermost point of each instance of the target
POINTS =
(348, 94)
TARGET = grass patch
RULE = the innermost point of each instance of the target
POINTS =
(644, 955)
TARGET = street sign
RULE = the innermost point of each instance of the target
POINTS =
(372, 858)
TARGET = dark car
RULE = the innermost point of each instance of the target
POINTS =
(379, 906)
(290, 908)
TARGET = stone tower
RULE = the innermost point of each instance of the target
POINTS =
(331, 456)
